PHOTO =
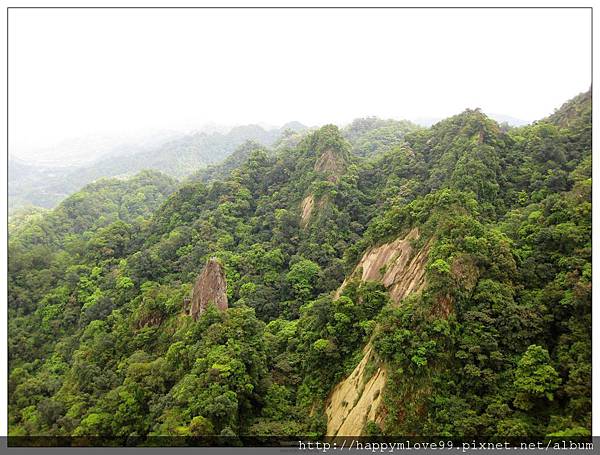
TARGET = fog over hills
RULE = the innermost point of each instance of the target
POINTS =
(46, 178)
(86, 149)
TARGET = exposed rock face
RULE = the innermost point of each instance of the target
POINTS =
(306, 208)
(210, 287)
(331, 163)
(357, 399)
(396, 265)
(309, 209)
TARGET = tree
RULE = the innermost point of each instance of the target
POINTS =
(303, 277)
(535, 377)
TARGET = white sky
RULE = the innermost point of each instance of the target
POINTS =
(74, 72)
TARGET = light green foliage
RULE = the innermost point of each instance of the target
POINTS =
(200, 426)
(303, 276)
(498, 343)
(535, 377)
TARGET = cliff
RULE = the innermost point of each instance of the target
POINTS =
(395, 264)
(332, 164)
(357, 399)
(210, 287)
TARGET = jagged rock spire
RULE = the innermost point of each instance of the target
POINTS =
(210, 287)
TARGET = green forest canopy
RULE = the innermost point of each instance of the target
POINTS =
(99, 343)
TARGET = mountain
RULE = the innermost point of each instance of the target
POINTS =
(372, 135)
(222, 170)
(46, 186)
(368, 136)
(577, 110)
(437, 285)
(97, 205)
(500, 118)
(25, 182)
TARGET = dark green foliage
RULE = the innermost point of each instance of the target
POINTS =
(370, 136)
(498, 342)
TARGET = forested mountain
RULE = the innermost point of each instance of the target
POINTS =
(224, 169)
(380, 279)
(500, 118)
(367, 136)
(372, 135)
(178, 157)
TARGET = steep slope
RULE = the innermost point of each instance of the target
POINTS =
(332, 160)
(465, 152)
(306, 209)
(357, 399)
(210, 288)
(395, 264)
(575, 112)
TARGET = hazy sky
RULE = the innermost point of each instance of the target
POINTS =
(82, 71)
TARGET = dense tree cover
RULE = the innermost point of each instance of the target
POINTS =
(223, 170)
(498, 343)
(372, 135)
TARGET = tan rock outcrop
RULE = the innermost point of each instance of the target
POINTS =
(357, 399)
(330, 162)
(307, 208)
(395, 264)
(210, 287)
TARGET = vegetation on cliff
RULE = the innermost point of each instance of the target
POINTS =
(497, 342)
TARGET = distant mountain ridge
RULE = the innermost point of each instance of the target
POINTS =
(45, 186)
(79, 151)
(207, 155)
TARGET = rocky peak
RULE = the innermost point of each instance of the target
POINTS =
(210, 287)
(331, 164)
(332, 151)
(397, 265)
